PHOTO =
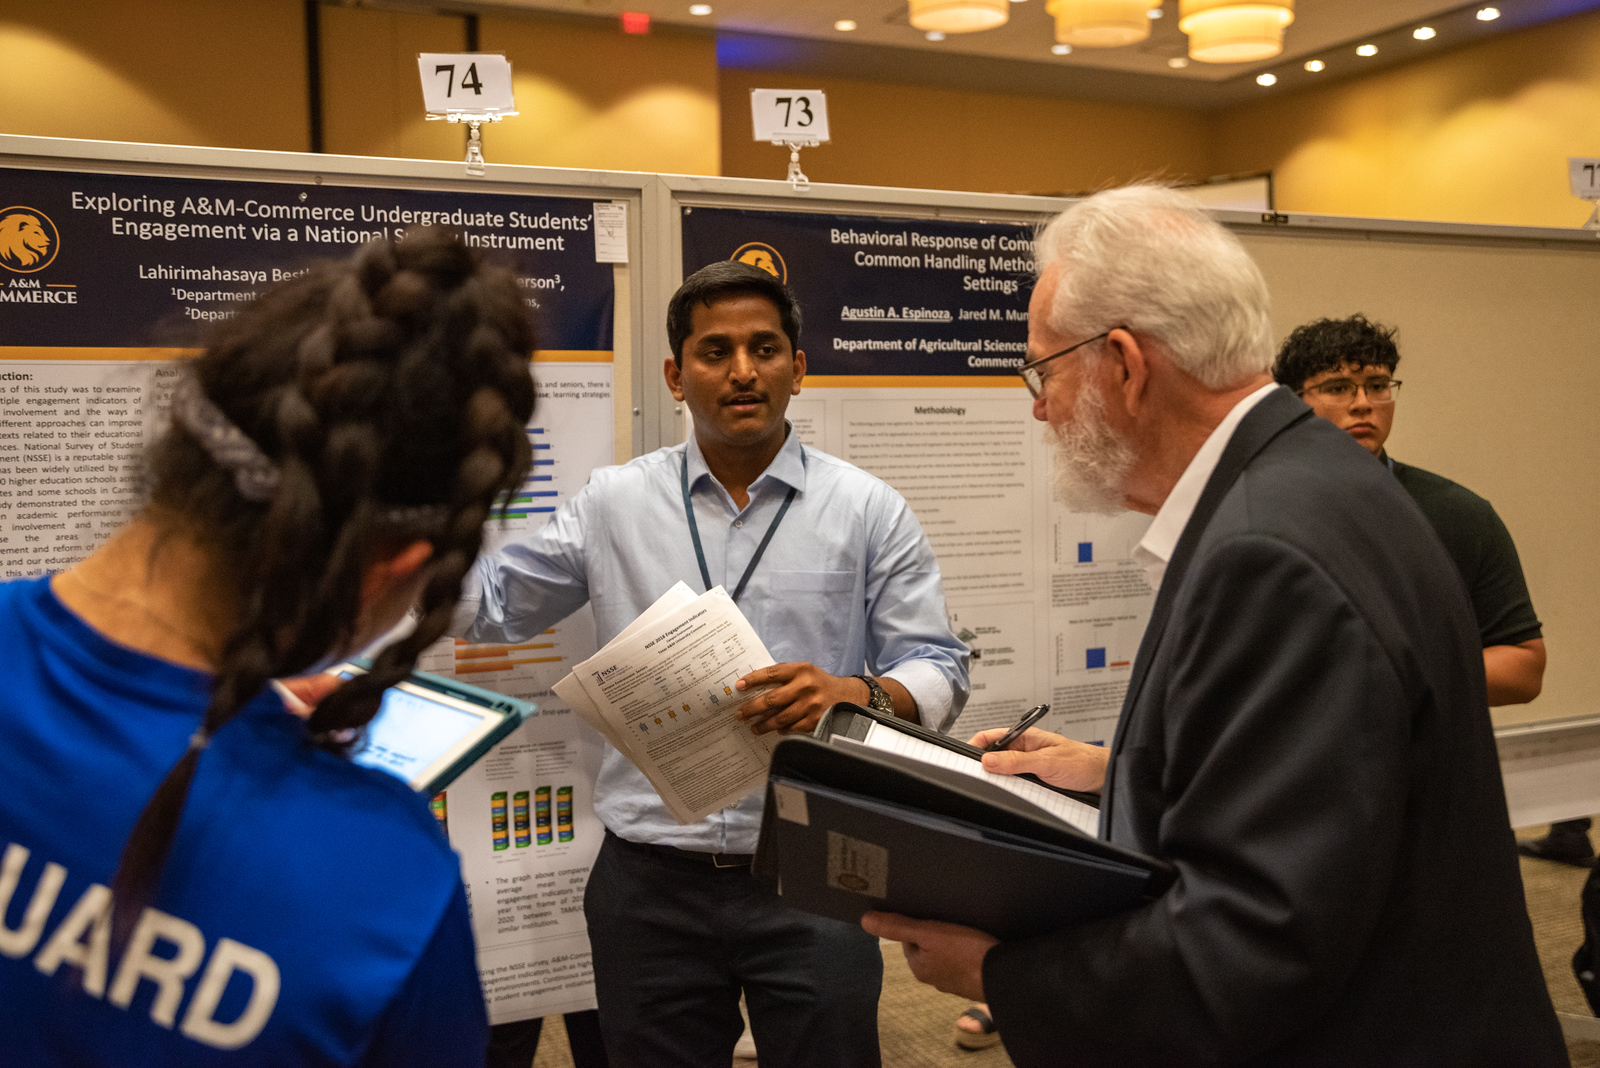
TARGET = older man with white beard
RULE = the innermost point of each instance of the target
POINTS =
(1305, 736)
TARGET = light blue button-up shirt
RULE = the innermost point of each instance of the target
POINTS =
(848, 583)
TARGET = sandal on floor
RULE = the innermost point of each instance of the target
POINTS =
(981, 1039)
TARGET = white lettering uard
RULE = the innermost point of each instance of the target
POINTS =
(83, 940)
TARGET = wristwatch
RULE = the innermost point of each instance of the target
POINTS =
(878, 699)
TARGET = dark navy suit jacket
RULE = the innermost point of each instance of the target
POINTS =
(1306, 738)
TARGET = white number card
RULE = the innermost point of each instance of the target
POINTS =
(1585, 175)
(789, 114)
(478, 82)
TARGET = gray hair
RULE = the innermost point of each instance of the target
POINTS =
(1149, 258)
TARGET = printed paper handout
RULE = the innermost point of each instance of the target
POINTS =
(662, 692)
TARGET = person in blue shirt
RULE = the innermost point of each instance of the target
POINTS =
(190, 874)
(836, 576)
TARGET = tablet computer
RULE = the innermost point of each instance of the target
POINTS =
(429, 729)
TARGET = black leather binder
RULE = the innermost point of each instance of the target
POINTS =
(849, 829)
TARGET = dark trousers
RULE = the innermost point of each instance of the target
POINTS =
(674, 942)
(513, 1045)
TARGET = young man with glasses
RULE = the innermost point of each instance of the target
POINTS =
(1344, 369)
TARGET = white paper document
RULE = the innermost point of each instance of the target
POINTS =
(662, 692)
(1085, 818)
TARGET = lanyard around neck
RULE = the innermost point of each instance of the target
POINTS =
(694, 529)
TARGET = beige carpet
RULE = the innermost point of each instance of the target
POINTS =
(916, 1022)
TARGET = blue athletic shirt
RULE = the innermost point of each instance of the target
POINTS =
(310, 912)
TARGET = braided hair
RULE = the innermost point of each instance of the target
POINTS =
(385, 398)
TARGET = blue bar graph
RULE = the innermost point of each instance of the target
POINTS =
(1086, 552)
(1095, 658)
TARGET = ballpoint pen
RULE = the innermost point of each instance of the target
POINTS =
(1034, 715)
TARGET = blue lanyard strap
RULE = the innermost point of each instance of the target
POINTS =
(694, 529)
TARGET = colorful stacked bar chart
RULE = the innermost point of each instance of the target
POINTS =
(564, 813)
(541, 812)
(497, 821)
(519, 817)
(536, 496)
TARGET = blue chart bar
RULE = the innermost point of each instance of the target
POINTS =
(1095, 658)
(1086, 552)
(514, 512)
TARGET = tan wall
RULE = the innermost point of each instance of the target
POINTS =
(1479, 134)
(974, 141)
(592, 96)
(189, 72)
(372, 97)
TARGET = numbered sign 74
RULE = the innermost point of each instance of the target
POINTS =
(783, 115)
(475, 82)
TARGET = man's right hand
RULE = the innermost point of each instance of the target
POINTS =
(1058, 761)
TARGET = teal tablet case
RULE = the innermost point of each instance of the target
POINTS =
(516, 713)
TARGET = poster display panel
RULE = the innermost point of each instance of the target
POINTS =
(107, 279)
(913, 330)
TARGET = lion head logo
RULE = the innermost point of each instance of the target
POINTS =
(28, 240)
(764, 256)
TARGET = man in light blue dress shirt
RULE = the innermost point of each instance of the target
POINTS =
(846, 595)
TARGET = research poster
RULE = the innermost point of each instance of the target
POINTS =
(913, 330)
(107, 280)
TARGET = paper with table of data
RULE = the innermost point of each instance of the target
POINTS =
(663, 693)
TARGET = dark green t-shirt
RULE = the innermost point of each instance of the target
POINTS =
(1483, 552)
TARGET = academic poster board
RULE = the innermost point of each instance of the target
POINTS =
(913, 330)
(109, 277)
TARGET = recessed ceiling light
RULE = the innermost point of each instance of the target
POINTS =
(845, 25)
(1424, 33)
(1367, 50)
(1155, 12)
(699, 9)
(1266, 79)
(1488, 14)
(1061, 50)
(1316, 66)
(1177, 62)
(934, 35)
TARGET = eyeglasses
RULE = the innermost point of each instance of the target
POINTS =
(1030, 370)
(1342, 391)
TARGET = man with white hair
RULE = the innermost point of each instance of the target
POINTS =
(1305, 736)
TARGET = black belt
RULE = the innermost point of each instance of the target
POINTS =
(715, 860)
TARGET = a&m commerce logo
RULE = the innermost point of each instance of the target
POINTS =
(28, 240)
(759, 254)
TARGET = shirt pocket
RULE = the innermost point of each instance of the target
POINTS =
(814, 616)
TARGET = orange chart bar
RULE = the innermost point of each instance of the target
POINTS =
(502, 665)
(486, 652)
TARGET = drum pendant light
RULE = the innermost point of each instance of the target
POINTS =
(1231, 31)
(1101, 23)
(959, 16)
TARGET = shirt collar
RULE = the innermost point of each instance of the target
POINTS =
(1155, 550)
(787, 467)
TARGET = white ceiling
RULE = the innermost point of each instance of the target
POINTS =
(1319, 24)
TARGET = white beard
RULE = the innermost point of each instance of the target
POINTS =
(1091, 462)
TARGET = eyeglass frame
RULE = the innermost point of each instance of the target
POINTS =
(1033, 365)
(1394, 385)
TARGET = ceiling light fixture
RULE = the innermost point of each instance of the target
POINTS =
(699, 9)
(959, 16)
(845, 25)
(1100, 23)
(1231, 31)
(1178, 62)
(934, 35)
(1266, 79)
(1367, 50)
(1488, 14)
(1155, 12)
(1061, 50)
(1424, 33)
(1316, 66)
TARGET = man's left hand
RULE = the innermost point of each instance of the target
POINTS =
(946, 956)
(802, 693)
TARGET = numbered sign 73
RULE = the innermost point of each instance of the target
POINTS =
(1585, 175)
(782, 115)
(478, 82)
